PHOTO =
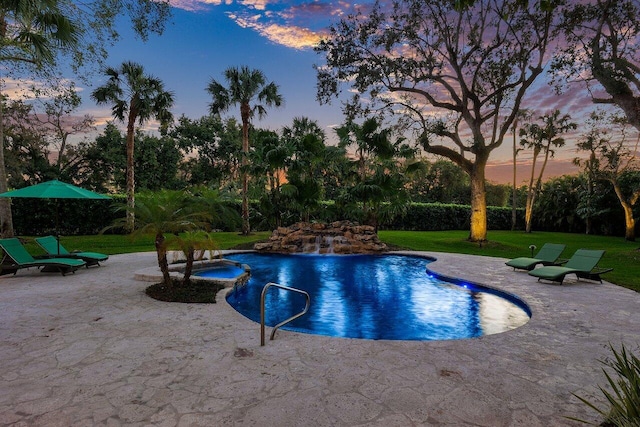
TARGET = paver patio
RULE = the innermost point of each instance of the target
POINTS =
(92, 349)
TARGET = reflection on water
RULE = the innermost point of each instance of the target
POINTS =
(373, 297)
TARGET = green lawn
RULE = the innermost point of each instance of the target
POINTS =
(623, 256)
(117, 244)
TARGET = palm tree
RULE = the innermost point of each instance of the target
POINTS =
(523, 114)
(30, 34)
(304, 176)
(379, 187)
(541, 138)
(250, 90)
(135, 97)
(270, 159)
(194, 245)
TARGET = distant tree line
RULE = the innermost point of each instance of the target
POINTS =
(295, 175)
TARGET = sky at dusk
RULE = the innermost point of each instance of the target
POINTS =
(205, 37)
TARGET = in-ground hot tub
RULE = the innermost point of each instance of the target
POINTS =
(225, 272)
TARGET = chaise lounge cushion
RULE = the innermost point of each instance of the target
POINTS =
(16, 257)
(547, 255)
(583, 264)
(54, 249)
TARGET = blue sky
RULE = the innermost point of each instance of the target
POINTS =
(203, 41)
(205, 37)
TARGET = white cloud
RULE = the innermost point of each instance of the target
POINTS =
(256, 4)
(286, 35)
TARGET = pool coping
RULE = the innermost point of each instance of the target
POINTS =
(92, 349)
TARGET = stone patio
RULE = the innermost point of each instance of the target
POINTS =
(91, 349)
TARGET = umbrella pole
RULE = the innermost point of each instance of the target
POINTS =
(57, 228)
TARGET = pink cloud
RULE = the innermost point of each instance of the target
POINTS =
(289, 36)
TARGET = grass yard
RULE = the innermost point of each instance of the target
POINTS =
(622, 256)
(116, 244)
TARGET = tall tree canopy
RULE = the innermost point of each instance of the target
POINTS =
(604, 38)
(456, 71)
(213, 150)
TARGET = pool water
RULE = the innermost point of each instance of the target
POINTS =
(223, 271)
(372, 297)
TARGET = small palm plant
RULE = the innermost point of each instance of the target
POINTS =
(194, 245)
(624, 400)
(166, 212)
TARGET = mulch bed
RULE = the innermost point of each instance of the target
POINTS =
(198, 291)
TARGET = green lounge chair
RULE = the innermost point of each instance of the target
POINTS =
(583, 264)
(17, 257)
(548, 254)
(55, 250)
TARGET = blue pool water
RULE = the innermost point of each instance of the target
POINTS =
(373, 297)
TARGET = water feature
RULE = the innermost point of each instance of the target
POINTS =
(323, 245)
(329, 240)
(340, 237)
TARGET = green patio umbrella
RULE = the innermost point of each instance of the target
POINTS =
(53, 190)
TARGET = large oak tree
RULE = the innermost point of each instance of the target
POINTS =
(457, 70)
(614, 158)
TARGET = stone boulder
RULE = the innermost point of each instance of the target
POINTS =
(340, 237)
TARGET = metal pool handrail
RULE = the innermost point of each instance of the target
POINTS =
(262, 309)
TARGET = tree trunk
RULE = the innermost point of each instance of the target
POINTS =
(131, 183)
(188, 268)
(6, 218)
(629, 221)
(528, 212)
(478, 232)
(514, 194)
(245, 113)
(589, 219)
(161, 250)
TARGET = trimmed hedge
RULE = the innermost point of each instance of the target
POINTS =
(36, 217)
(441, 217)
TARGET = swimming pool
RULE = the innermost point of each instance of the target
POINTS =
(373, 297)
